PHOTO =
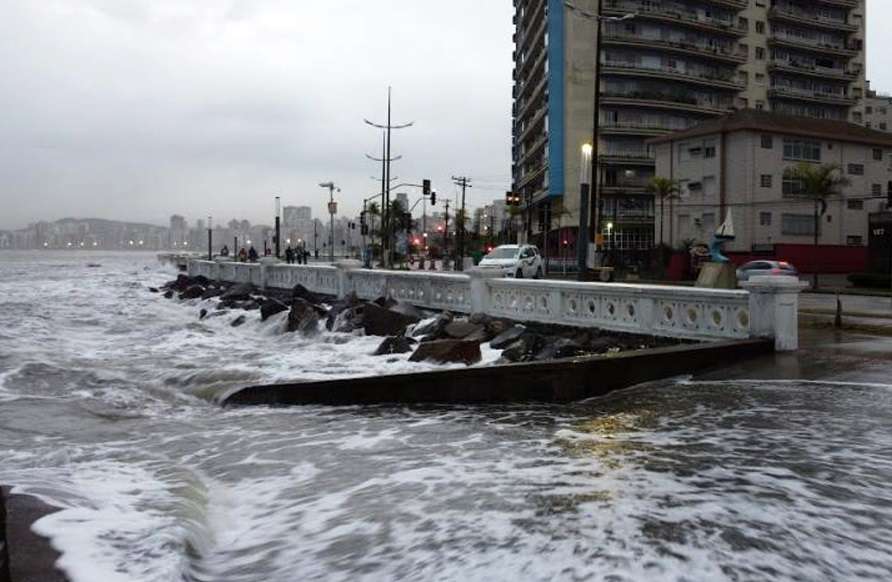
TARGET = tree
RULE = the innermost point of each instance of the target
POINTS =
(663, 189)
(818, 182)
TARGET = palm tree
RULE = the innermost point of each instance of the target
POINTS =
(818, 182)
(664, 188)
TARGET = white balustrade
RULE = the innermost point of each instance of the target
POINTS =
(765, 309)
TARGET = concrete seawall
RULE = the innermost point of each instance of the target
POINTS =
(24, 555)
(556, 381)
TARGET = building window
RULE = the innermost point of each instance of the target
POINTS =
(766, 180)
(884, 126)
(760, 27)
(878, 154)
(876, 189)
(855, 204)
(802, 150)
(798, 224)
(854, 241)
(709, 151)
(767, 142)
(868, 110)
(856, 169)
(760, 53)
(764, 219)
(792, 187)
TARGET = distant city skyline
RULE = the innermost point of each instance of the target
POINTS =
(101, 124)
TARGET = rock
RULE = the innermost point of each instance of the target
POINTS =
(507, 337)
(524, 348)
(153, 290)
(238, 292)
(384, 302)
(480, 318)
(380, 321)
(599, 345)
(271, 307)
(462, 328)
(212, 292)
(347, 320)
(560, 348)
(434, 328)
(304, 317)
(168, 294)
(181, 283)
(447, 352)
(301, 292)
(240, 320)
(192, 292)
(496, 327)
(348, 303)
(202, 314)
(247, 305)
(406, 309)
(395, 344)
(201, 280)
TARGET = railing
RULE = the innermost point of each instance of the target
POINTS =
(682, 312)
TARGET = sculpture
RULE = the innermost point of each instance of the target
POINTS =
(722, 235)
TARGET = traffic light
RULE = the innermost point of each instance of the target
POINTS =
(426, 187)
(512, 199)
(433, 198)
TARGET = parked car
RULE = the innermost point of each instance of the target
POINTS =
(518, 261)
(763, 268)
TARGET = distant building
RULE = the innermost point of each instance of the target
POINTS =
(741, 163)
(878, 111)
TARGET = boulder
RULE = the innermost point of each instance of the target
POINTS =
(212, 292)
(407, 309)
(395, 344)
(480, 319)
(385, 301)
(201, 280)
(202, 314)
(301, 292)
(507, 337)
(599, 345)
(347, 320)
(496, 327)
(435, 328)
(348, 303)
(192, 292)
(240, 320)
(462, 328)
(524, 348)
(168, 294)
(247, 305)
(181, 283)
(271, 307)
(448, 352)
(304, 317)
(238, 292)
(153, 290)
(380, 321)
(560, 348)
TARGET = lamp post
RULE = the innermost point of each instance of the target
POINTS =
(210, 240)
(585, 178)
(278, 227)
(332, 210)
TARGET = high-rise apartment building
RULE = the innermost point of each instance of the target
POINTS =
(668, 66)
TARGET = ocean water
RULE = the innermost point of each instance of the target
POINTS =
(108, 411)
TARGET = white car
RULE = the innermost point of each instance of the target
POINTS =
(518, 261)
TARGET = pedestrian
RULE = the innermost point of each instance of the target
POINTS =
(243, 255)
(224, 252)
(289, 255)
(252, 254)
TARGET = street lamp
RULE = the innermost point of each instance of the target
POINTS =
(332, 210)
(278, 227)
(596, 114)
(585, 180)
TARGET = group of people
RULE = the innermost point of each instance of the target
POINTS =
(292, 255)
(296, 255)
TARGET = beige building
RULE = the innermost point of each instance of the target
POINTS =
(670, 66)
(739, 163)
(878, 110)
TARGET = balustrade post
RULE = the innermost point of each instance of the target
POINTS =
(480, 290)
(345, 280)
(774, 310)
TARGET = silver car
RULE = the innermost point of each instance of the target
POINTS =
(766, 268)
(518, 261)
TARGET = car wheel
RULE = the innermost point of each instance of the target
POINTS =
(518, 274)
(538, 274)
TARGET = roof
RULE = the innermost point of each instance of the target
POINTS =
(754, 120)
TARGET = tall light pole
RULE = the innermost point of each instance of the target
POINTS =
(332, 210)
(210, 240)
(388, 127)
(596, 114)
(585, 178)
(278, 227)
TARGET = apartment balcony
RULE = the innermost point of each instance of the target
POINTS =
(534, 149)
(684, 48)
(809, 19)
(814, 46)
(530, 66)
(529, 91)
(809, 70)
(532, 175)
(736, 4)
(699, 78)
(533, 124)
(668, 15)
(625, 186)
(811, 95)
(666, 101)
(534, 42)
(628, 158)
(634, 128)
(844, 3)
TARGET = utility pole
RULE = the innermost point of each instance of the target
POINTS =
(446, 232)
(386, 160)
(278, 227)
(210, 240)
(332, 210)
(465, 183)
(315, 237)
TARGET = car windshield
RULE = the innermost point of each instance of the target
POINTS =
(502, 253)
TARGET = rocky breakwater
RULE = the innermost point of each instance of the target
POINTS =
(442, 338)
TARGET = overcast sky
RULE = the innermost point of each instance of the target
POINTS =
(138, 109)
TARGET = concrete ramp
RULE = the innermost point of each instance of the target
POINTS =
(555, 381)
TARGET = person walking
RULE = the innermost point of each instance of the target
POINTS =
(289, 255)
(243, 255)
(252, 254)
(224, 252)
